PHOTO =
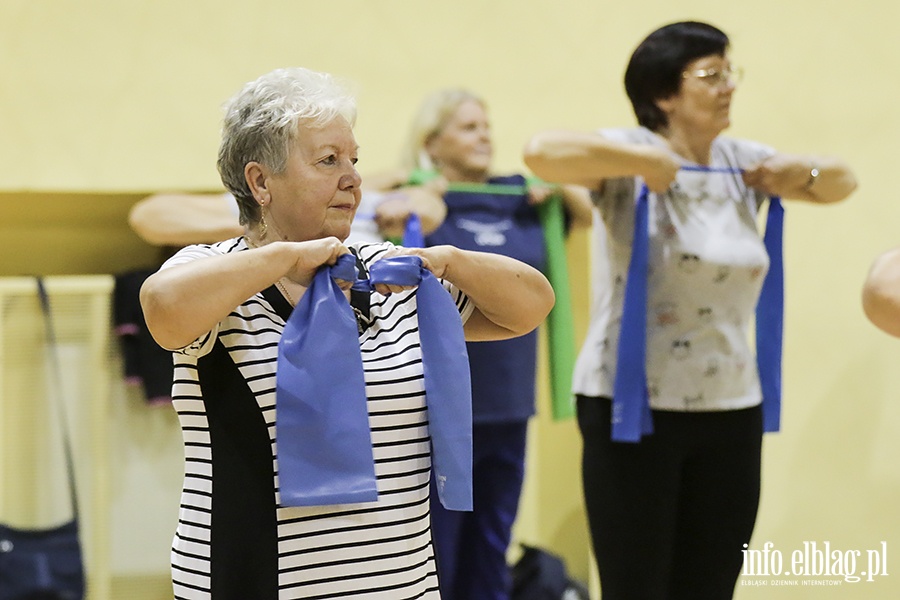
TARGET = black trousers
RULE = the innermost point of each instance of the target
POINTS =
(669, 516)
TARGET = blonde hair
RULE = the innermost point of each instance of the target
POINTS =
(433, 115)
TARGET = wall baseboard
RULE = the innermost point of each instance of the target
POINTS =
(142, 587)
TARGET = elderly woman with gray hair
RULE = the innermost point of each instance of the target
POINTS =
(288, 155)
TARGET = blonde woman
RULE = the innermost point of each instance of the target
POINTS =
(450, 140)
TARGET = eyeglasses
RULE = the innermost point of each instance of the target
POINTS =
(716, 77)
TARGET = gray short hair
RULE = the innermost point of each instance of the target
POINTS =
(262, 120)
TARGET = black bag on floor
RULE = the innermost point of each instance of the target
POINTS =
(541, 575)
(45, 564)
(41, 564)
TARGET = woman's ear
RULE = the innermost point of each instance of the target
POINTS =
(665, 104)
(429, 148)
(258, 182)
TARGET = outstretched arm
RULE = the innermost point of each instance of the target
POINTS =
(586, 159)
(181, 219)
(184, 301)
(815, 179)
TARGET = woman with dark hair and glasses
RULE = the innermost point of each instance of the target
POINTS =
(671, 511)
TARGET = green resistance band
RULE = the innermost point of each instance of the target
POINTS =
(560, 324)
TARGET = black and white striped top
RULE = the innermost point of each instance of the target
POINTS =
(234, 540)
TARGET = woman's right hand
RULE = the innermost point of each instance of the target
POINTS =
(661, 167)
(425, 200)
(184, 301)
(391, 214)
(312, 255)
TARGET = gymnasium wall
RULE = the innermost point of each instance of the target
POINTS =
(102, 103)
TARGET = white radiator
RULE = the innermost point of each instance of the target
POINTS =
(33, 489)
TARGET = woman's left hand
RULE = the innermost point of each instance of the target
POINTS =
(814, 178)
(510, 297)
(436, 259)
(780, 175)
(432, 259)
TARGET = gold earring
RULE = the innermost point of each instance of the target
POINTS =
(263, 226)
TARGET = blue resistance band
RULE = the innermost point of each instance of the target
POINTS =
(412, 231)
(322, 424)
(631, 416)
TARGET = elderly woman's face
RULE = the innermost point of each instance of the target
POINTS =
(319, 191)
(704, 100)
(463, 146)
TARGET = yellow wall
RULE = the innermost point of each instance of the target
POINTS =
(102, 102)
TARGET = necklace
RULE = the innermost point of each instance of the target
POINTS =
(361, 321)
(284, 291)
(280, 282)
